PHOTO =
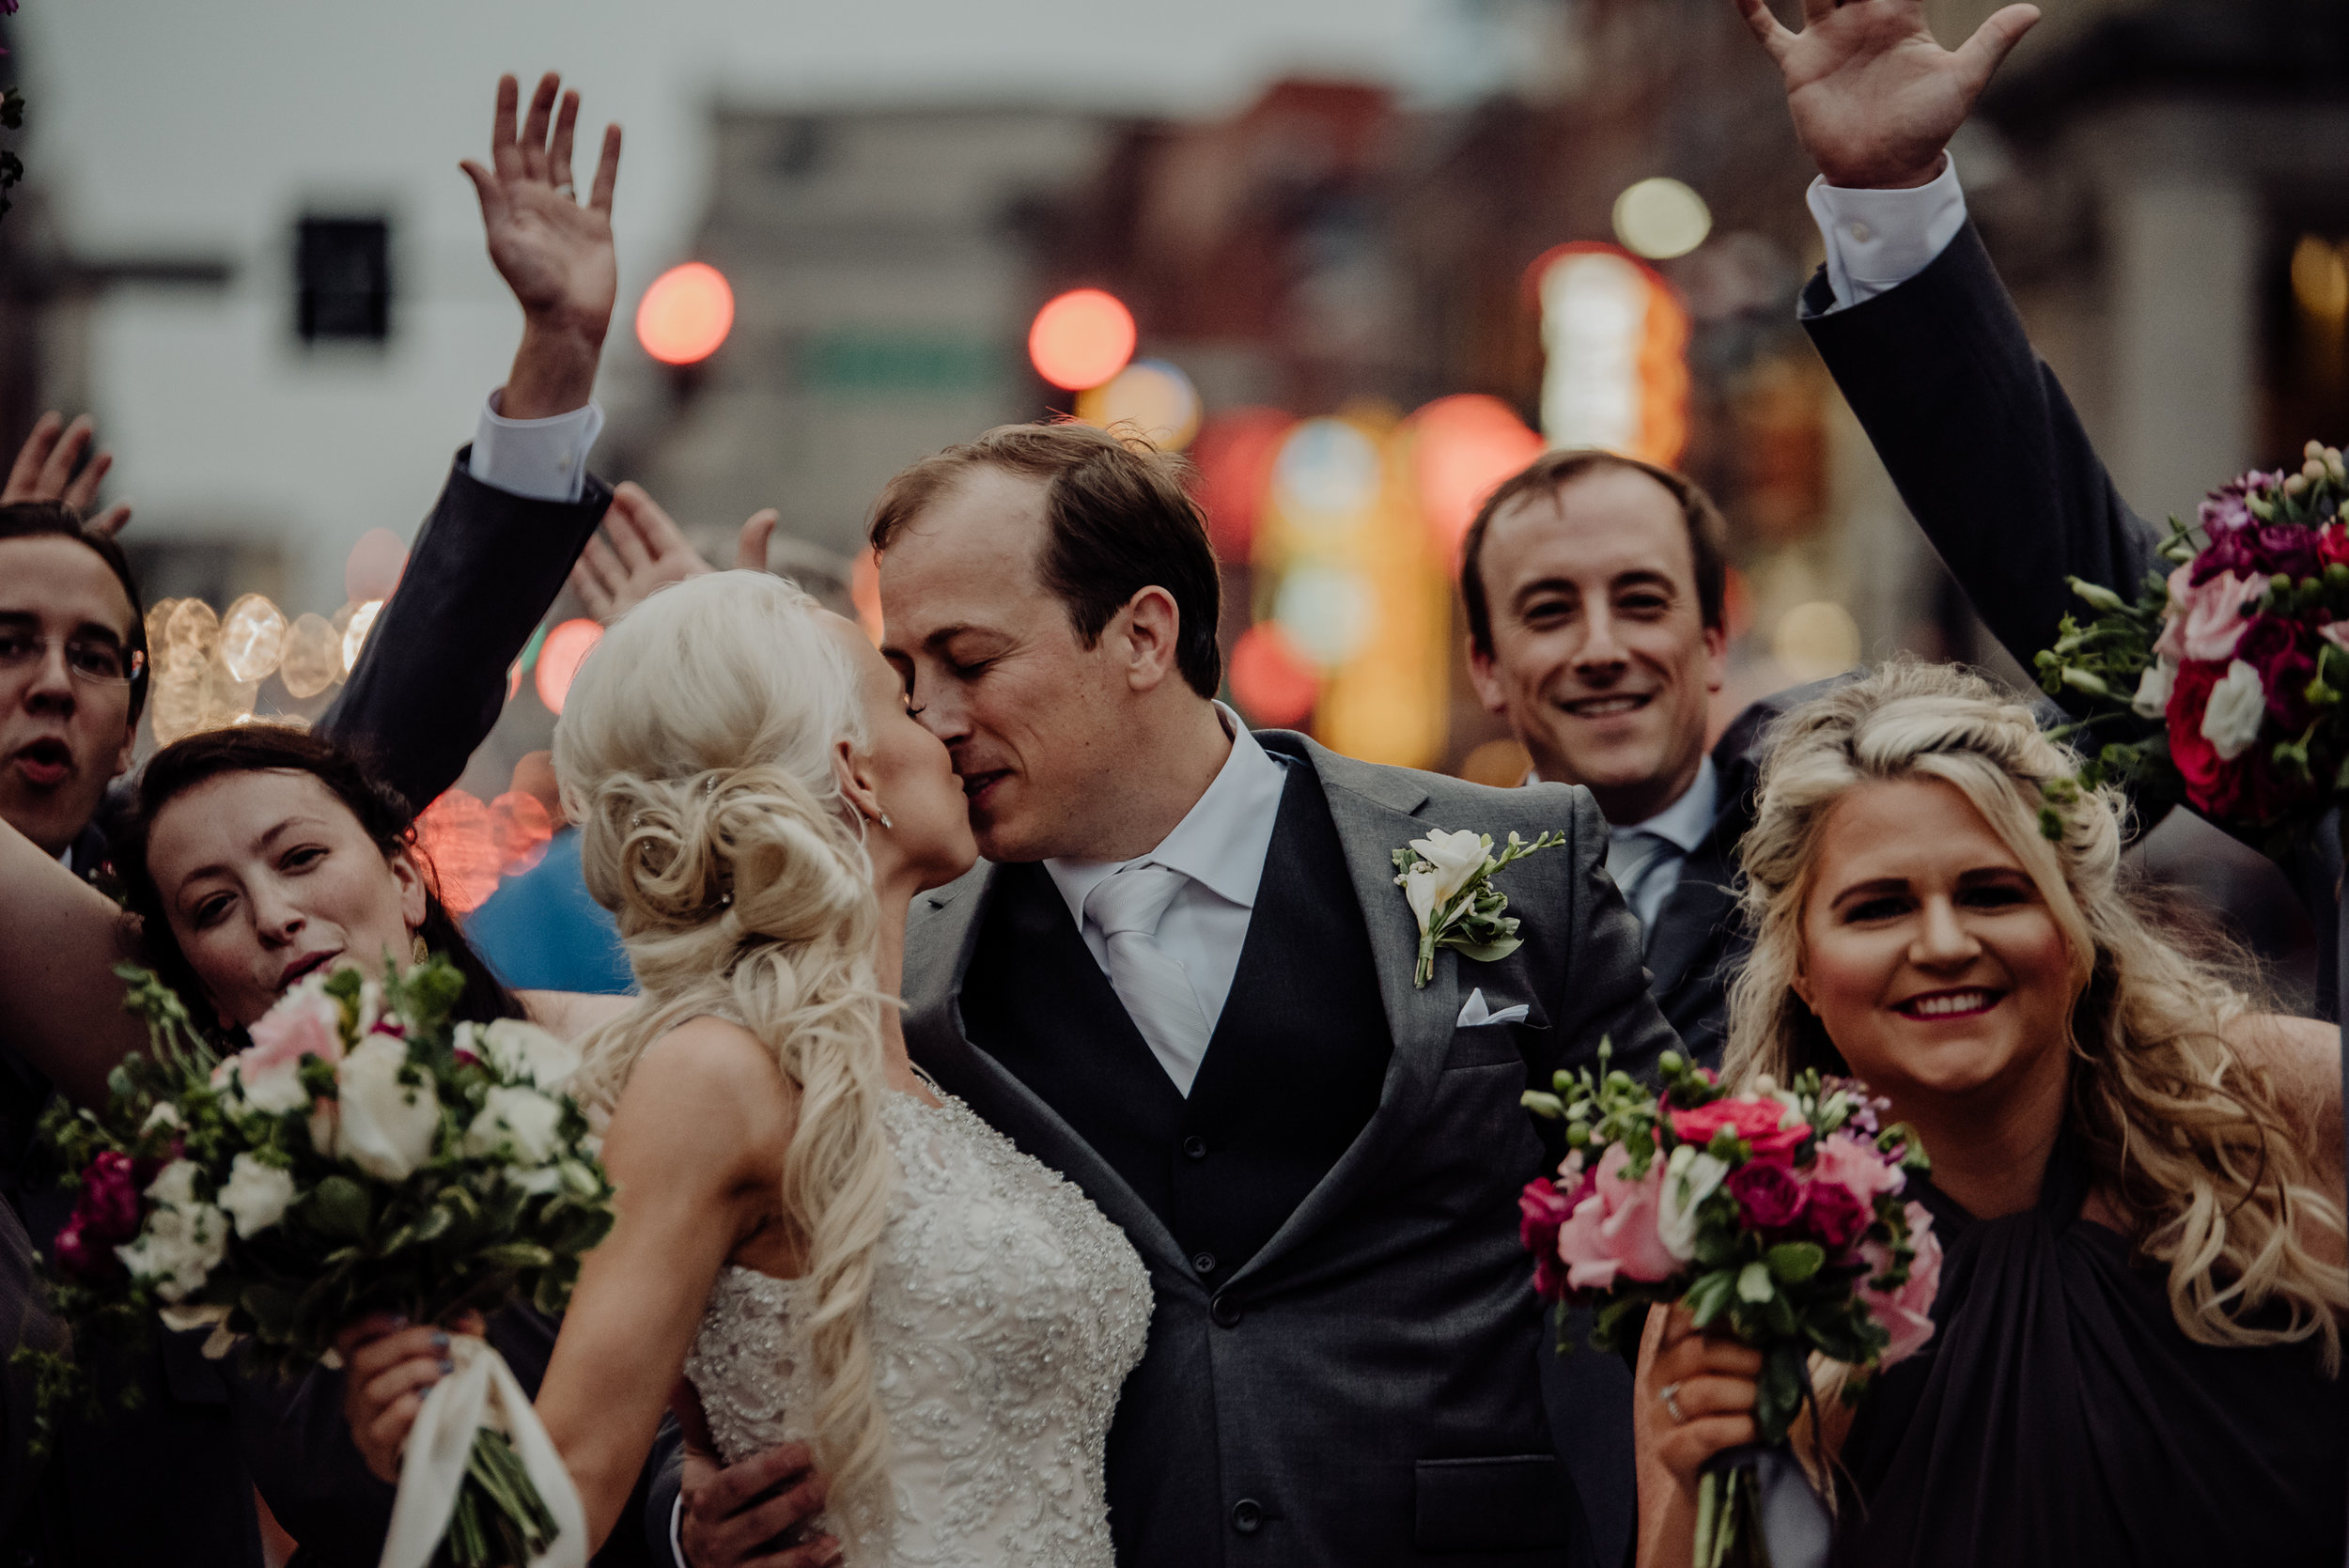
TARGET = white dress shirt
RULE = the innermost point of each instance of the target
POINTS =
(1221, 845)
(1879, 240)
(540, 460)
(1682, 826)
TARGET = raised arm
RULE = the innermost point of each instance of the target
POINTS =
(1912, 318)
(60, 1002)
(518, 503)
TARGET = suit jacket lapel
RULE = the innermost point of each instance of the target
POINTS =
(939, 943)
(1689, 922)
(1372, 809)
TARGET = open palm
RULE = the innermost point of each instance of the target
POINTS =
(1875, 98)
(554, 251)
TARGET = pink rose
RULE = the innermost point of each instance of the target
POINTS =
(1750, 1118)
(2205, 619)
(1854, 1164)
(1833, 1217)
(1767, 1192)
(1906, 1311)
(305, 1022)
(1614, 1230)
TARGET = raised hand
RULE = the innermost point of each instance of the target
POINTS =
(646, 549)
(44, 471)
(1875, 98)
(552, 251)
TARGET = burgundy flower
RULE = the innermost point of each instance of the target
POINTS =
(108, 1208)
(2226, 507)
(1768, 1194)
(91, 1262)
(1542, 1209)
(2277, 649)
(1834, 1216)
(2332, 543)
(2244, 790)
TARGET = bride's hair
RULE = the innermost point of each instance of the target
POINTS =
(695, 752)
(2191, 1142)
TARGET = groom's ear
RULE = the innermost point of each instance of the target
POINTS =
(1150, 625)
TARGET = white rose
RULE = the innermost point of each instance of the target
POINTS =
(256, 1195)
(2152, 691)
(165, 1114)
(276, 1089)
(174, 1184)
(523, 1118)
(1690, 1177)
(385, 1127)
(1457, 857)
(179, 1248)
(2237, 708)
(524, 1053)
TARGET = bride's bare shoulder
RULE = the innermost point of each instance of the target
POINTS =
(712, 1084)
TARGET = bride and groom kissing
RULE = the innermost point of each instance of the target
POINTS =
(1182, 979)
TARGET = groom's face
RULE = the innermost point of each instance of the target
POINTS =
(1030, 715)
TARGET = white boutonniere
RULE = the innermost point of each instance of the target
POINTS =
(1448, 878)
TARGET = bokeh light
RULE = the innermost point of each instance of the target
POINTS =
(1082, 339)
(1616, 337)
(686, 313)
(1502, 764)
(1462, 448)
(373, 567)
(566, 648)
(1273, 682)
(2319, 279)
(1327, 611)
(1661, 218)
(460, 848)
(355, 632)
(1329, 469)
(1235, 456)
(1816, 640)
(188, 636)
(519, 827)
(252, 638)
(864, 593)
(1150, 394)
(313, 657)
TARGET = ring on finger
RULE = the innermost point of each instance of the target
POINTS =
(1671, 1403)
(566, 189)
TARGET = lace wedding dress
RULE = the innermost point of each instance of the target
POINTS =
(1006, 1312)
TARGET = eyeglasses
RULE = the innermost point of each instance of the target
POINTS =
(90, 659)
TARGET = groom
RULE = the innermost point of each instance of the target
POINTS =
(1182, 976)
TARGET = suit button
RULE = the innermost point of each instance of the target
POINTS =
(1194, 1147)
(1247, 1515)
(1202, 1262)
(1226, 1312)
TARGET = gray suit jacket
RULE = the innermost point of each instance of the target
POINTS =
(1334, 1403)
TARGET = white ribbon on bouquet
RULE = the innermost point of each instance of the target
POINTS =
(480, 1392)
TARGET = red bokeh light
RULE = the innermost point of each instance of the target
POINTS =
(373, 567)
(458, 842)
(1235, 454)
(519, 827)
(559, 657)
(1275, 684)
(1462, 447)
(1082, 339)
(686, 313)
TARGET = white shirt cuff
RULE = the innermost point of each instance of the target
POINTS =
(1878, 240)
(541, 459)
(676, 1525)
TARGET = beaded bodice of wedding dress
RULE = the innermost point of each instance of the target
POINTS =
(1006, 1312)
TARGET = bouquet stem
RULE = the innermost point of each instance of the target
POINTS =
(1729, 1520)
(500, 1521)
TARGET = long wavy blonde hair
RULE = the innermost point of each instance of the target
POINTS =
(695, 752)
(2193, 1145)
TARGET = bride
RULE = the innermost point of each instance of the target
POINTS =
(828, 1249)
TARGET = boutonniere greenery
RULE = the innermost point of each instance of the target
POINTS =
(1448, 877)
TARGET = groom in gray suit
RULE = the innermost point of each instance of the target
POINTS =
(1182, 976)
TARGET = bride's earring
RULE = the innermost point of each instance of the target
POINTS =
(886, 824)
(418, 949)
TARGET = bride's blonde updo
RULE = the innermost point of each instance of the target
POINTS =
(2192, 1144)
(695, 752)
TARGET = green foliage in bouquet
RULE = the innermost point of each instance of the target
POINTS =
(367, 1153)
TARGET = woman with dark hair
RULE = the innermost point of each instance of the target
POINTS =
(253, 857)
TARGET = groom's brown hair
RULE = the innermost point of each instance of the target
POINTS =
(1117, 519)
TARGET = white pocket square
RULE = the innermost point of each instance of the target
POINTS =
(1473, 1012)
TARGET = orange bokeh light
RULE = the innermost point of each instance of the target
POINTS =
(459, 844)
(519, 827)
(1235, 455)
(1462, 448)
(559, 657)
(686, 313)
(1275, 684)
(1082, 339)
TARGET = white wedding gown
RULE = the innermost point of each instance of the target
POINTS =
(1006, 1312)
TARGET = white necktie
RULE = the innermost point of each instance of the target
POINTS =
(1152, 984)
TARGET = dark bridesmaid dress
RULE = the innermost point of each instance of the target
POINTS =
(2059, 1417)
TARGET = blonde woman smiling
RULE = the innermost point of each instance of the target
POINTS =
(2137, 1180)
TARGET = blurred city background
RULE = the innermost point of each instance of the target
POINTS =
(1358, 257)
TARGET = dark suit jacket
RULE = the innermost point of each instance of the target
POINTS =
(484, 568)
(1341, 1374)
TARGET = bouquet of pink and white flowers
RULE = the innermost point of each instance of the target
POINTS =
(2222, 684)
(1776, 1217)
(363, 1152)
